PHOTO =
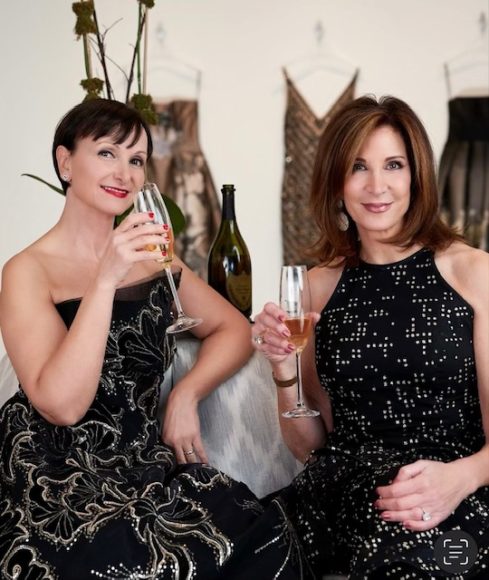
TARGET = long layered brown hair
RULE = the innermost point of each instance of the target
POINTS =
(338, 148)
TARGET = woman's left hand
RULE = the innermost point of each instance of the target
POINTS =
(181, 428)
(422, 494)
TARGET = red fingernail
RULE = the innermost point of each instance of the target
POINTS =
(151, 215)
(163, 253)
(166, 227)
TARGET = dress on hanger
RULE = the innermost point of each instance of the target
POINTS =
(464, 169)
(181, 172)
(105, 498)
(303, 130)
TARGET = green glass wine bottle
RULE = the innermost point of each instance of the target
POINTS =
(229, 265)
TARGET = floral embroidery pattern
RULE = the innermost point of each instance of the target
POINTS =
(77, 492)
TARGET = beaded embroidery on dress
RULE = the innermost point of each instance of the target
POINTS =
(394, 350)
(105, 498)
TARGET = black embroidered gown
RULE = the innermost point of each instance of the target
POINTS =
(394, 350)
(105, 499)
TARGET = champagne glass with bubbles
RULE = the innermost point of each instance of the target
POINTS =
(295, 300)
(149, 199)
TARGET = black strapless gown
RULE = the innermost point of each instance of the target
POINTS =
(394, 350)
(105, 499)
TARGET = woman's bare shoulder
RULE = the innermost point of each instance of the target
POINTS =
(466, 269)
(323, 281)
(24, 268)
(463, 259)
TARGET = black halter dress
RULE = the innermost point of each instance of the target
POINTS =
(394, 350)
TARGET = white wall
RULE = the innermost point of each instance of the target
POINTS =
(240, 47)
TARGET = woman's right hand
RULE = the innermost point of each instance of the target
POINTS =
(270, 336)
(126, 246)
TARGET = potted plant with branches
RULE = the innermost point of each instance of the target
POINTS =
(94, 41)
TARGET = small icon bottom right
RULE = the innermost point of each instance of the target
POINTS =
(455, 551)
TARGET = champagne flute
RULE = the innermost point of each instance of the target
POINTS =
(149, 199)
(295, 300)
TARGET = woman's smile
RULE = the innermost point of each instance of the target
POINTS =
(115, 191)
(377, 207)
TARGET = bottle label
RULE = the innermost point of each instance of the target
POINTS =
(239, 290)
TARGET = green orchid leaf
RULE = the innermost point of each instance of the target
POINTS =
(176, 215)
(58, 189)
(177, 218)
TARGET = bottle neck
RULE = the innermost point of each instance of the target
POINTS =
(228, 206)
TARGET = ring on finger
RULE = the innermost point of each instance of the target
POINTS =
(189, 452)
(426, 516)
(259, 339)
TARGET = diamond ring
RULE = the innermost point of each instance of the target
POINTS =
(259, 339)
(426, 517)
(191, 452)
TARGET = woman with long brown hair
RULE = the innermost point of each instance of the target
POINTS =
(398, 367)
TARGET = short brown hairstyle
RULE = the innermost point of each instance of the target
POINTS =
(337, 150)
(98, 118)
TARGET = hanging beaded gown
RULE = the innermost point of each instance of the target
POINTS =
(181, 172)
(464, 169)
(394, 351)
(105, 499)
(303, 130)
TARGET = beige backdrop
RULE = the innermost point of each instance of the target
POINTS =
(240, 48)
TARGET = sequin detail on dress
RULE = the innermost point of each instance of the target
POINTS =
(302, 132)
(394, 350)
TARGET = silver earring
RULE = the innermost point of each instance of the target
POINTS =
(343, 222)
(66, 178)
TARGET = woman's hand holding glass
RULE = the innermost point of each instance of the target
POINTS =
(127, 246)
(281, 331)
(150, 201)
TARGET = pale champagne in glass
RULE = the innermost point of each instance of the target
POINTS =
(295, 300)
(149, 199)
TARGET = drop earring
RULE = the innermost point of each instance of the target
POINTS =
(343, 221)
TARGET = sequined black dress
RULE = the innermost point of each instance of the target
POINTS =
(105, 499)
(394, 351)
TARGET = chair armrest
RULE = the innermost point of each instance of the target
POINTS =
(239, 423)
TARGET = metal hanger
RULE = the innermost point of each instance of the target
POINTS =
(470, 58)
(164, 60)
(323, 58)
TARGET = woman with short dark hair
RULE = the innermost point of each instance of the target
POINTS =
(87, 487)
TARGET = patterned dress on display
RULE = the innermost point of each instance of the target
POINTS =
(180, 170)
(303, 130)
(464, 169)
